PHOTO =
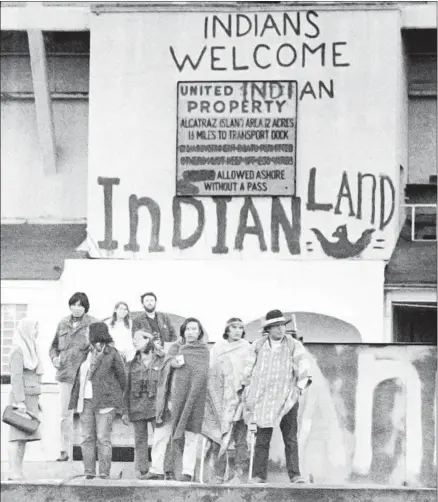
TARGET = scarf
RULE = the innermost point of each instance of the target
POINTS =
(24, 339)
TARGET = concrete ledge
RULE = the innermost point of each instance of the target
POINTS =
(80, 490)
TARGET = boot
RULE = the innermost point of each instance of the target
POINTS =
(63, 457)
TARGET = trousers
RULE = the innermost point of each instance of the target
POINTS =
(65, 389)
(289, 430)
(96, 434)
(161, 439)
(239, 435)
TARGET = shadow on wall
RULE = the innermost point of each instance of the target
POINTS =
(368, 417)
(318, 328)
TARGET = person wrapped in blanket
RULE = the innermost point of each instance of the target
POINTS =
(231, 362)
(280, 375)
(141, 394)
(181, 401)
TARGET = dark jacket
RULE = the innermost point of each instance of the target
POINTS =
(141, 389)
(167, 331)
(71, 346)
(108, 382)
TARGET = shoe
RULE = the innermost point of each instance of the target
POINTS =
(169, 476)
(297, 479)
(63, 457)
(186, 478)
(141, 474)
(89, 476)
(151, 476)
(256, 480)
(104, 476)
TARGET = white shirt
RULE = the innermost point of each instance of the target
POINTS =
(122, 337)
(275, 344)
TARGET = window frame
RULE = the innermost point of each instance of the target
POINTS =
(413, 215)
(397, 295)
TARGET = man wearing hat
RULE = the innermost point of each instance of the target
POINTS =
(280, 374)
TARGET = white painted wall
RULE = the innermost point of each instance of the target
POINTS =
(133, 117)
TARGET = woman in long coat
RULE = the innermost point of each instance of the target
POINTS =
(26, 370)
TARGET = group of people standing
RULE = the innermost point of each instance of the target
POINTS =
(140, 369)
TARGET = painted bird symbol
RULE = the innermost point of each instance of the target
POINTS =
(343, 247)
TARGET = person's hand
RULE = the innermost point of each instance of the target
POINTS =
(20, 407)
(252, 431)
(252, 427)
(157, 346)
(169, 406)
(125, 419)
(56, 361)
(175, 363)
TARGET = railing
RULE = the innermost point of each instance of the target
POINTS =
(423, 221)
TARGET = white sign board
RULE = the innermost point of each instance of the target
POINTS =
(236, 138)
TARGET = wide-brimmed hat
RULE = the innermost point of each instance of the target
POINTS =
(275, 318)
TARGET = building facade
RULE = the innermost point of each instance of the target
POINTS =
(231, 158)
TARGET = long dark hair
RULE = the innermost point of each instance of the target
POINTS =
(98, 333)
(127, 317)
(184, 326)
(227, 328)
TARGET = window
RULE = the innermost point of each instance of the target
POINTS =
(421, 48)
(421, 219)
(415, 322)
(11, 314)
(68, 58)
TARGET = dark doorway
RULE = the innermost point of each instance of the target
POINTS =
(415, 322)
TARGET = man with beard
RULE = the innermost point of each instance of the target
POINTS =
(154, 322)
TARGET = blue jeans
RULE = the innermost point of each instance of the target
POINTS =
(141, 444)
(96, 432)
